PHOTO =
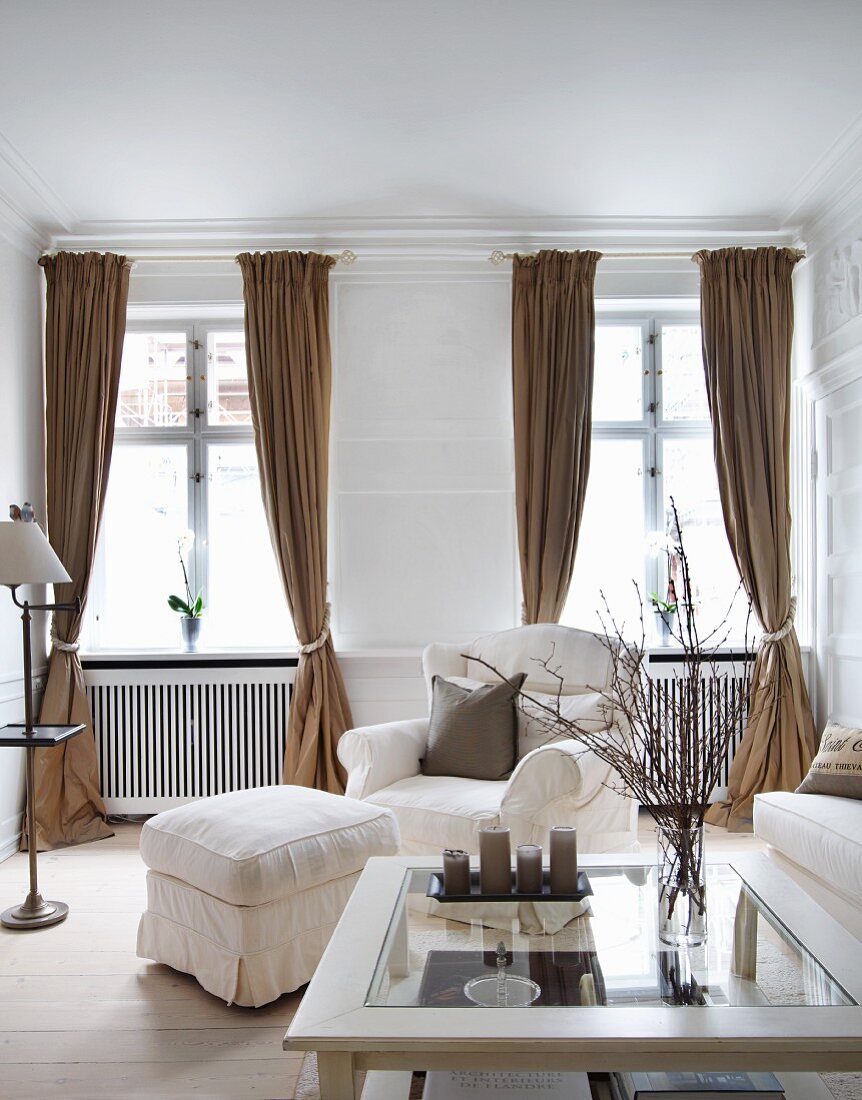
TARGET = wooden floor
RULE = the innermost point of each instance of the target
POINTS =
(81, 1016)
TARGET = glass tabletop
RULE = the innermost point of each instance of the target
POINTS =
(517, 954)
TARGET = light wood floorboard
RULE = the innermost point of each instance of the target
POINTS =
(82, 1017)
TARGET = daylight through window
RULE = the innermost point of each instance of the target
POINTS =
(184, 459)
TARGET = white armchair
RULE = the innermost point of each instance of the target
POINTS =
(554, 783)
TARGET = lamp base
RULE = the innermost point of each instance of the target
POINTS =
(34, 913)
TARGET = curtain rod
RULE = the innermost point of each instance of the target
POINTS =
(345, 257)
(348, 257)
(498, 257)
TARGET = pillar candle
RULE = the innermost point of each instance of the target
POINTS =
(495, 860)
(528, 872)
(564, 859)
(456, 871)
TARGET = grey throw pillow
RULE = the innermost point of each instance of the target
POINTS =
(472, 733)
(837, 767)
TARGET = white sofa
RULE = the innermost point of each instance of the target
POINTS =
(817, 840)
(553, 784)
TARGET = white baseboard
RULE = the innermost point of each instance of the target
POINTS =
(10, 835)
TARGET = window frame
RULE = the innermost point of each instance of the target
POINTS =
(652, 430)
(196, 434)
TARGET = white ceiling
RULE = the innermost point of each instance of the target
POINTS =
(209, 109)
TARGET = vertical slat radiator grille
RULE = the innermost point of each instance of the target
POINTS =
(726, 690)
(165, 736)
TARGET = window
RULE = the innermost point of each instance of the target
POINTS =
(652, 440)
(184, 459)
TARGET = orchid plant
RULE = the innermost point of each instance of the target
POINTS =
(658, 542)
(190, 607)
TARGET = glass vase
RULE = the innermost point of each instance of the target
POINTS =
(681, 886)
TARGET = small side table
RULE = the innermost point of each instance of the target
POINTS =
(35, 912)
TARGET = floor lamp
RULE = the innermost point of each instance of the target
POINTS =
(26, 557)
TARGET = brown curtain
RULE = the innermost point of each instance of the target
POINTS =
(553, 345)
(290, 381)
(747, 318)
(84, 329)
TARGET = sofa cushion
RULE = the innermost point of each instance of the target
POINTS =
(590, 709)
(472, 733)
(821, 833)
(837, 767)
(252, 847)
(443, 810)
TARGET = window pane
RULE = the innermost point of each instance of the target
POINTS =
(246, 605)
(618, 380)
(227, 382)
(153, 382)
(611, 543)
(146, 511)
(683, 385)
(690, 478)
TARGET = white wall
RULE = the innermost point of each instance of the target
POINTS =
(829, 305)
(422, 486)
(22, 475)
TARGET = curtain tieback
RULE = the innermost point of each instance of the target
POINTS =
(320, 640)
(784, 629)
(61, 646)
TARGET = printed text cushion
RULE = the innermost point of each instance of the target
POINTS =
(837, 767)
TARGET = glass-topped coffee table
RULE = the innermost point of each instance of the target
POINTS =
(776, 986)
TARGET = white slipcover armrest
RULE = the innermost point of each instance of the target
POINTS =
(378, 756)
(550, 773)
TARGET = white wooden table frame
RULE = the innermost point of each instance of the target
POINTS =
(349, 1036)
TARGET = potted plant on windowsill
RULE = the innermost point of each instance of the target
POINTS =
(659, 542)
(189, 608)
(665, 611)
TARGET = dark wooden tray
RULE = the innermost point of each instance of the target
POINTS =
(435, 890)
(42, 736)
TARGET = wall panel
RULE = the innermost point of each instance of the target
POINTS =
(22, 477)
(422, 503)
(838, 418)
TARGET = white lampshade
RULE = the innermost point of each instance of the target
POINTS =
(26, 556)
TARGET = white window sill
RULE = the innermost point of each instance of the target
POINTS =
(233, 653)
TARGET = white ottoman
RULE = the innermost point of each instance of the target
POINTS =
(244, 889)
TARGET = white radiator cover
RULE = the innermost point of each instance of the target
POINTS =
(168, 731)
(664, 672)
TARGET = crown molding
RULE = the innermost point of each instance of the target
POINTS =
(842, 369)
(36, 201)
(19, 231)
(826, 189)
(443, 236)
(841, 212)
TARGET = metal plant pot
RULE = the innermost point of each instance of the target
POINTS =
(666, 623)
(191, 631)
